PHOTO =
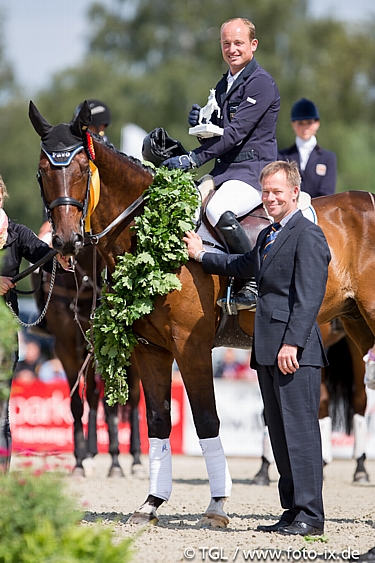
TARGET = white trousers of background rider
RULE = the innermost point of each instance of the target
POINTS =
(235, 196)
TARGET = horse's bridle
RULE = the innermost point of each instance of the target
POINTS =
(63, 159)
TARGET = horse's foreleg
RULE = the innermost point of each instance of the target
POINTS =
(198, 380)
(155, 365)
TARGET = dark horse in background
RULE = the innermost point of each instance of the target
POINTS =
(183, 323)
(68, 320)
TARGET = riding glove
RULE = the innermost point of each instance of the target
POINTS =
(183, 162)
(193, 118)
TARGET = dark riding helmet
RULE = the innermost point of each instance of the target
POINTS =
(100, 114)
(304, 109)
(158, 146)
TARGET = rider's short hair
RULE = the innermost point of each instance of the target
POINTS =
(250, 26)
(290, 169)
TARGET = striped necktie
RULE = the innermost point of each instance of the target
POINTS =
(270, 239)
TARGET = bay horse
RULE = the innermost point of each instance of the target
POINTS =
(183, 323)
(68, 320)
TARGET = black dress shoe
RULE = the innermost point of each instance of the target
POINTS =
(300, 529)
(275, 527)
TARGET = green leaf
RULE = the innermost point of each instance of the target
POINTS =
(139, 279)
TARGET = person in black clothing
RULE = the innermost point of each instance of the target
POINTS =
(16, 242)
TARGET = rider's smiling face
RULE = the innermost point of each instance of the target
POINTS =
(236, 46)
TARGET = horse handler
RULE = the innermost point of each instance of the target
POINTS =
(16, 242)
(290, 264)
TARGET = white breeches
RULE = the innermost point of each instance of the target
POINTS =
(160, 462)
(235, 196)
(217, 468)
(360, 435)
(325, 425)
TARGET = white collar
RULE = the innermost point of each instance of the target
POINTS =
(306, 145)
(232, 77)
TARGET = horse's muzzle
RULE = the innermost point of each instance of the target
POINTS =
(69, 247)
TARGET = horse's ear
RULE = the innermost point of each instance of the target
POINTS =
(82, 120)
(41, 125)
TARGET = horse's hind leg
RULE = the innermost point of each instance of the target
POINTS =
(360, 338)
(80, 447)
(359, 407)
(111, 416)
(135, 436)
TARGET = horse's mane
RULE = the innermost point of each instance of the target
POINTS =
(132, 159)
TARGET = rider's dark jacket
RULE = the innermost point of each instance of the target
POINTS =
(319, 176)
(248, 115)
(21, 243)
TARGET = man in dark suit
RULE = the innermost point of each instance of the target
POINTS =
(290, 263)
(317, 166)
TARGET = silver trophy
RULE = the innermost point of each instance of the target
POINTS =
(205, 128)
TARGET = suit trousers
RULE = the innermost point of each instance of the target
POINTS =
(291, 404)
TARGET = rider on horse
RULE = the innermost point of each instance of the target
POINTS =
(249, 103)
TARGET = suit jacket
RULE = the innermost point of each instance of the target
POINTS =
(249, 114)
(291, 286)
(319, 176)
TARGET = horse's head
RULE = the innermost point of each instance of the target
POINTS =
(64, 177)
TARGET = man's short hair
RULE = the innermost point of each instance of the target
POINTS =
(250, 26)
(292, 174)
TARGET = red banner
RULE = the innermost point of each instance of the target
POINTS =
(41, 420)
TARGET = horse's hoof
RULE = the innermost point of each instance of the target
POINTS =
(115, 472)
(261, 480)
(138, 471)
(361, 477)
(215, 516)
(146, 514)
(89, 466)
(78, 471)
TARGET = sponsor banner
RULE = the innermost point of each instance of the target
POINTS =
(240, 407)
(41, 420)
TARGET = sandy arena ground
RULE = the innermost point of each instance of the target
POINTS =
(350, 512)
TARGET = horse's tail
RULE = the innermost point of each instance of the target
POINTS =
(339, 378)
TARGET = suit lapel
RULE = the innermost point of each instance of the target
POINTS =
(248, 70)
(281, 238)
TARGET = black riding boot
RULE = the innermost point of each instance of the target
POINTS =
(238, 243)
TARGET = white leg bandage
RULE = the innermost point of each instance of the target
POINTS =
(160, 462)
(360, 435)
(326, 435)
(217, 468)
(267, 448)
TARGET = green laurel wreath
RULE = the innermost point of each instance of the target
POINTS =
(139, 278)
